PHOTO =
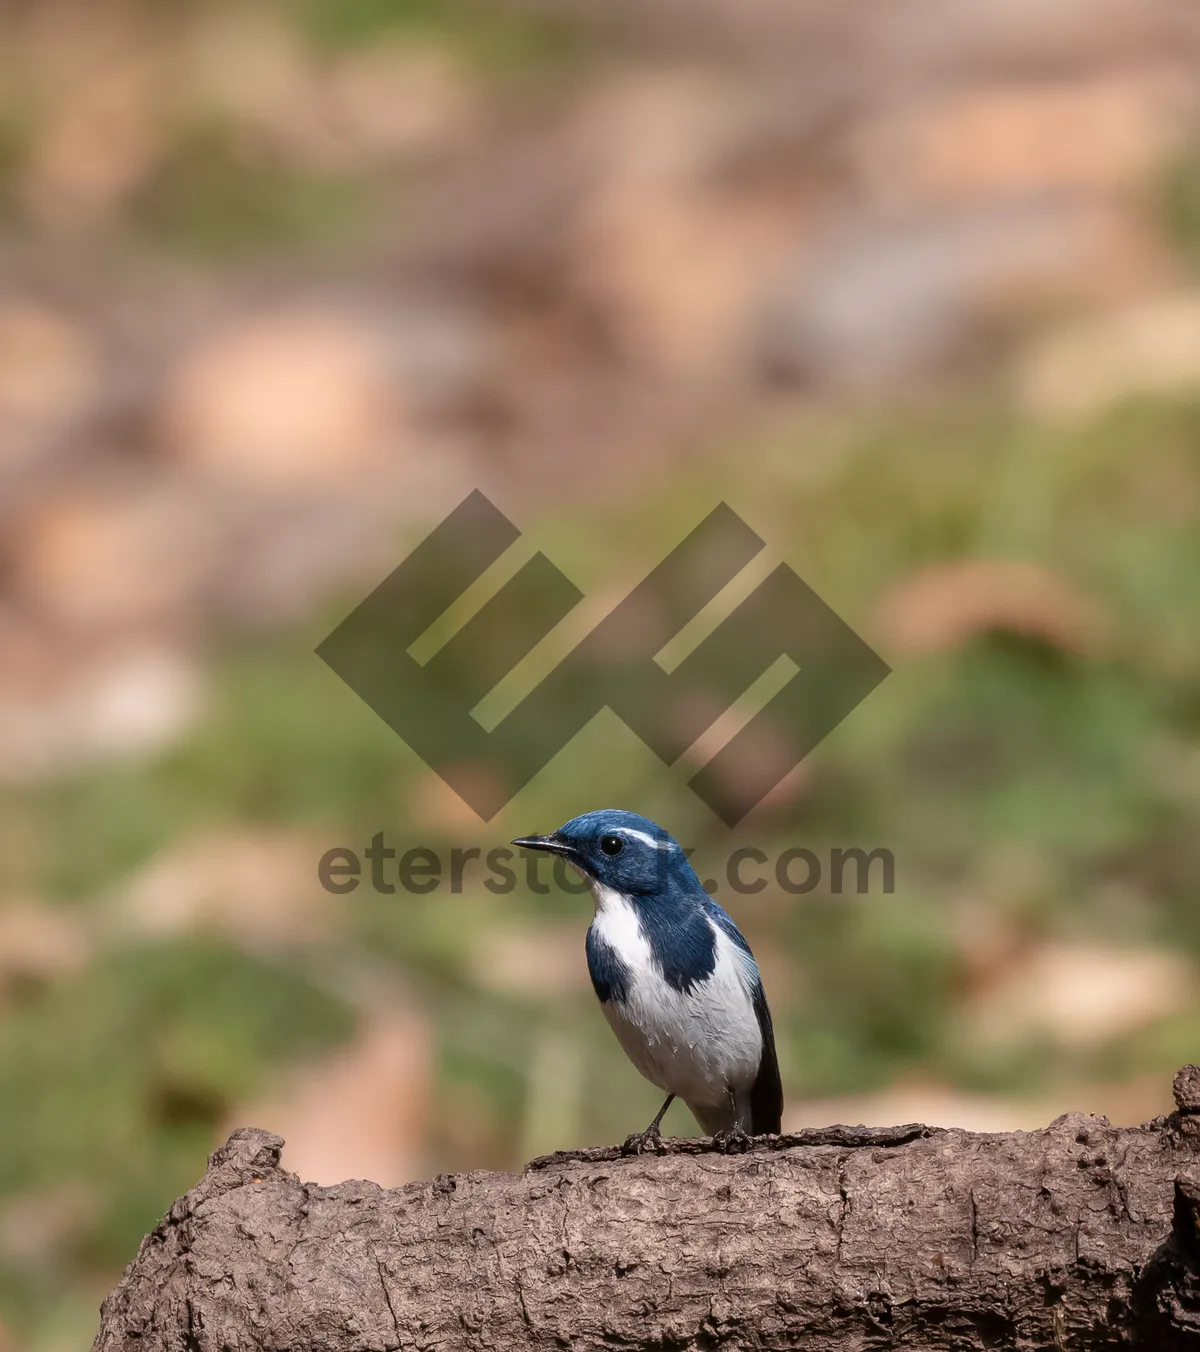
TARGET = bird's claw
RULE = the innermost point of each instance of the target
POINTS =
(732, 1141)
(641, 1141)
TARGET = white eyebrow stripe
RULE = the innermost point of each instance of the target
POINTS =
(646, 838)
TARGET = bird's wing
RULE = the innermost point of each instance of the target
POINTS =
(725, 923)
(766, 1097)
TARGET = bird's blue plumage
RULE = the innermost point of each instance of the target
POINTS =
(673, 972)
(680, 937)
(610, 976)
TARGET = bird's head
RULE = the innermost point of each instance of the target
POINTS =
(618, 850)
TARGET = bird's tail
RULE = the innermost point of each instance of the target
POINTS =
(766, 1098)
(766, 1109)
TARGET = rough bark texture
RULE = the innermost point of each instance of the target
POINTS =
(1079, 1236)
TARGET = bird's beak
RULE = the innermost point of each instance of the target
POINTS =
(551, 844)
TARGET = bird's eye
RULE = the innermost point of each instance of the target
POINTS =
(612, 844)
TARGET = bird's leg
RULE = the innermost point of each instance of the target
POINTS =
(733, 1138)
(643, 1140)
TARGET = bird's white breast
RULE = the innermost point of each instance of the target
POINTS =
(697, 1044)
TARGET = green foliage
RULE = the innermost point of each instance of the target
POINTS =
(13, 138)
(1181, 203)
(500, 37)
(115, 1082)
(219, 194)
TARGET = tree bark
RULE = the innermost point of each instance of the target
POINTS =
(1082, 1235)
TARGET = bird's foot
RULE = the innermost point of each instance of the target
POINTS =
(732, 1141)
(641, 1141)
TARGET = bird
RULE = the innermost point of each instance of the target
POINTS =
(675, 978)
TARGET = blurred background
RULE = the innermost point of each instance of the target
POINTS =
(913, 285)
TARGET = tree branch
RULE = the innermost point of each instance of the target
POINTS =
(1079, 1236)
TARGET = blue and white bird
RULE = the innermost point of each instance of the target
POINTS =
(675, 978)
